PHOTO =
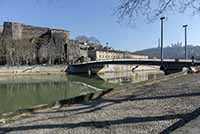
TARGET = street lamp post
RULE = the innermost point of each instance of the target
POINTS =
(161, 47)
(185, 27)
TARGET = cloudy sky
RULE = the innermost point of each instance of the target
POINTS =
(96, 18)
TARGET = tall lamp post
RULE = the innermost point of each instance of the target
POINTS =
(161, 47)
(185, 27)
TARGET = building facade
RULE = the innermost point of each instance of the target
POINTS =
(113, 54)
(77, 52)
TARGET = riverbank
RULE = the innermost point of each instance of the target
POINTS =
(158, 106)
(32, 70)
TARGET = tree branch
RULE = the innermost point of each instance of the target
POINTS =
(152, 9)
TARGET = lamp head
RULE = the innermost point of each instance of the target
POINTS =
(185, 25)
(162, 18)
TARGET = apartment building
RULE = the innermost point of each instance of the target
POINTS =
(113, 54)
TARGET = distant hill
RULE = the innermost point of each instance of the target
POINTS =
(172, 52)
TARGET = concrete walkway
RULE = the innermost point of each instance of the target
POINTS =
(162, 107)
(193, 127)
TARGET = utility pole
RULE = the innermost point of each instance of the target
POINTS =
(161, 47)
(185, 27)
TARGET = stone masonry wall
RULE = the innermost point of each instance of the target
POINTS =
(73, 53)
(76, 52)
(26, 44)
(17, 31)
(1, 29)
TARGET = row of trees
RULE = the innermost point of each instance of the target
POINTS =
(16, 52)
(46, 49)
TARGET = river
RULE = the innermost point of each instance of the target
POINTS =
(18, 92)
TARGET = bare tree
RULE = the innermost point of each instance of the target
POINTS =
(94, 40)
(130, 10)
(82, 38)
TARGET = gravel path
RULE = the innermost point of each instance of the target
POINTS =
(158, 108)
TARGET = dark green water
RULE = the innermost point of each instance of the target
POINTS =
(26, 91)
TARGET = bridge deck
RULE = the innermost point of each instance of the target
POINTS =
(168, 65)
(140, 61)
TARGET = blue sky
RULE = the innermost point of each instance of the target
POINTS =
(95, 18)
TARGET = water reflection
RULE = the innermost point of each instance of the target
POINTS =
(24, 91)
(19, 92)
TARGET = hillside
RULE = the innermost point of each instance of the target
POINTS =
(172, 52)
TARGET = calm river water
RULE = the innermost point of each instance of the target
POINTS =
(18, 92)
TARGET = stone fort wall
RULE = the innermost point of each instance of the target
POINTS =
(1, 30)
(26, 44)
(18, 31)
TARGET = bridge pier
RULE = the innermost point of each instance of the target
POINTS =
(84, 69)
(89, 72)
(170, 69)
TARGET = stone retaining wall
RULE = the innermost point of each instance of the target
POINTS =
(32, 69)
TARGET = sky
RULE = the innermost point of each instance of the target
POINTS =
(96, 18)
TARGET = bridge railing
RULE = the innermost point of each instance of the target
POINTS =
(150, 60)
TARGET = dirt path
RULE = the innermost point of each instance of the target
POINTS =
(157, 108)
